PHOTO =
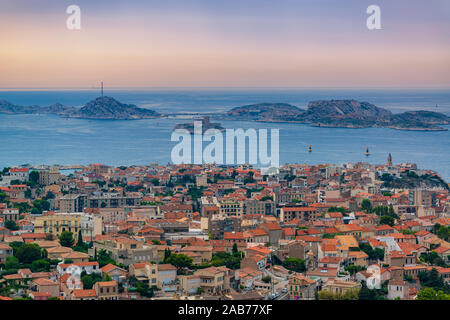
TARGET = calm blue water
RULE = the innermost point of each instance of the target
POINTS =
(49, 139)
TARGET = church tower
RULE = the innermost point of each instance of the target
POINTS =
(389, 160)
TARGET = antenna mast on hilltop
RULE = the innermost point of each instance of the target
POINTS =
(102, 89)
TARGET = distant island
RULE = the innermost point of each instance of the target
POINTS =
(340, 114)
(321, 113)
(206, 125)
(101, 108)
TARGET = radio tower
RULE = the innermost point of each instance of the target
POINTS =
(102, 89)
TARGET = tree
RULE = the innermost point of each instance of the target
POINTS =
(104, 258)
(34, 177)
(433, 279)
(235, 248)
(40, 265)
(89, 280)
(66, 239)
(231, 261)
(374, 254)
(81, 246)
(28, 194)
(167, 254)
(387, 220)
(294, 264)
(352, 269)
(40, 205)
(442, 232)
(3, 197)
(365, 293)
(180, 260)
(28, 252)
(12, 263)
(11, 225)
(337, 209)
(351, 294)
(50, 195)
(266, 279)
(80, 242)
(431, 294)
(432, 258)
(366, 205)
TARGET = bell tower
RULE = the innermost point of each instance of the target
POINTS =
(389, 160)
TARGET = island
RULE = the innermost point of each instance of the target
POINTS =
(206, 125)
(340, 114)
(101, 108)
(321, 113)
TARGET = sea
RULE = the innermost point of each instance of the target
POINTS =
(53, 140)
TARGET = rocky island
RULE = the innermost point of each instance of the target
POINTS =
(101, 108)
(320, 113)
(109, 108)
(340, 114)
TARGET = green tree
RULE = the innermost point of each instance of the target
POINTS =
(433, 279)
(167, 254)
(104, 258)
(28, 194)
(34, 177)
(294, 264)
(337, 209)
(432, 258)
(374, 254)
(89, 280)
(40, 205)
(235, 248)
(387, 220)
(28, 252)
(231, 261)
(365, 293)
(180, 260)
(348, 295)
(66, 239)
(80, 242)
(431, 294)
(40, 265)
(12, 263)
(353, 269)
(3, 197)
(366, 205)
(11, 225)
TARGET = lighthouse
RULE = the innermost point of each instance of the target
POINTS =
(389, 160)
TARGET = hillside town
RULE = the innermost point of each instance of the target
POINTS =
(355, 231)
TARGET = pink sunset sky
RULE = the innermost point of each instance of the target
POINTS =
(254, 43)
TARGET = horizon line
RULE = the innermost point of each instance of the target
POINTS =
(228, 87)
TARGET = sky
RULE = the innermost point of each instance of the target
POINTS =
(225, 43)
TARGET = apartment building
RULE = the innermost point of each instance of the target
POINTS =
(57, 223)
(304, 214)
